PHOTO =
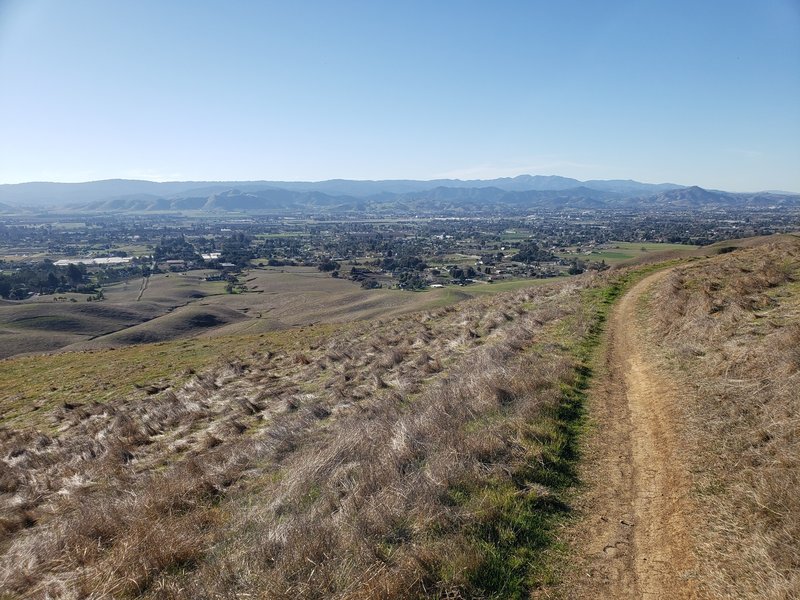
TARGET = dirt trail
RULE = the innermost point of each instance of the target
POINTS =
(145, 281)
(636, 536)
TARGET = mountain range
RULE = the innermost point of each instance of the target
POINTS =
(338, 196)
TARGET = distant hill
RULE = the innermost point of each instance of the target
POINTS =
(62, 194)
(339, 196)
(629, 186)
(697, 197)
(694, 197)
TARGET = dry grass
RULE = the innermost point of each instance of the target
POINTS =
(731, 329)
(184, 305)
(42, 325)
(404, 457)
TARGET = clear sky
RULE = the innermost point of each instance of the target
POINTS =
(702, 92)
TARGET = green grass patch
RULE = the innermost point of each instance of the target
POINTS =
(620, 252)
(442, 297)
(514, 539)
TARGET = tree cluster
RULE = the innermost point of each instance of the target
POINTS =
(177, 248)
(44, 278)
(530, 252)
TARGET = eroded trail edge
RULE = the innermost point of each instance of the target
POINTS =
(635, 538)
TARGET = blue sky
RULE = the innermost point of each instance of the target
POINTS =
(697, 92)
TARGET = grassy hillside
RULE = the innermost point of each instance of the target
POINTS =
(428, 454)
(729, 329)
(47, 323)
(44, 326)
(412, 456)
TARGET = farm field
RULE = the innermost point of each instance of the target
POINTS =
(615, 253)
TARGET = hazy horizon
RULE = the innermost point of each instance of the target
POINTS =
(261, 179)
(699, 94)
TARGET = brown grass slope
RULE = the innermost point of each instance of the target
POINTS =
(729, 329)
(184, 305)
(398, 458)
(44, 326)
(183, 322)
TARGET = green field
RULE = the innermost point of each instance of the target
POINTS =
(619, 252)
(288, 234)
(515, 236)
